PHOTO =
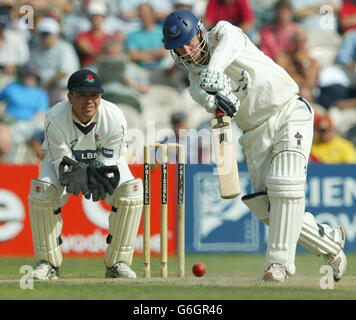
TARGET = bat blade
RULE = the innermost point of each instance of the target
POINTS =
(225, 157)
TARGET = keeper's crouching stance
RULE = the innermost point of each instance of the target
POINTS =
(46, 224)
(85, 153)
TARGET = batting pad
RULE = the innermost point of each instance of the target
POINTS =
(314, 239)
(285, 184)
(258, 203)
(311, 238)
(124, 221)
(46, 222)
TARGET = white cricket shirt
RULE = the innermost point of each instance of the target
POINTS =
(102, 138)
(262, 86)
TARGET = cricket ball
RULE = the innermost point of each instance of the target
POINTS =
(199, 270)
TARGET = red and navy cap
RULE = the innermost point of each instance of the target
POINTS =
(85, 81)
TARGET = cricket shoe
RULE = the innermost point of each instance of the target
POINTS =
(338, 262)
(120, 270)
(45, 271)
(275, 273)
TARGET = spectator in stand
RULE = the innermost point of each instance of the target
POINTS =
(14, 50)
(346, 56)
(314, 15)
(183, 4)
(64, 5)
(35, 143)
(161, 9)
(53, 11)
(26, 106)
(128, 11)
(145, 46)
(301, 66)
(337, 82)
(5, 141)
(196, 6)
(114, 66)
(178, 133)
(56, 59)
(279, 37)
(347, 16)
(328, 146)
(89, 44)
(264, 12)
(78, 21)
(237, 12)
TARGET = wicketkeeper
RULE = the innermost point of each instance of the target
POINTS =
(84, 153)
(228, 71)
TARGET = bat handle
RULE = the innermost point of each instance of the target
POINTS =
(219, 112)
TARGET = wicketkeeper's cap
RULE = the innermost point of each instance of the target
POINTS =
(85, 81)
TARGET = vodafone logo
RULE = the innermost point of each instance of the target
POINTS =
(12, 215)
(96, 213)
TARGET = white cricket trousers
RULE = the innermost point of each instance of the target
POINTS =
(277, 154)
(291, 129)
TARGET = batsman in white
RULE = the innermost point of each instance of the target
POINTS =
(228, 71)
(84, 153)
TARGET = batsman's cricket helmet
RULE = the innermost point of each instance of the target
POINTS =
(179, 27)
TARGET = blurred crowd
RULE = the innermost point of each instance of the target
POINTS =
(42, 42)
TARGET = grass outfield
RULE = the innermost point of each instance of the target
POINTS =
(228, 277)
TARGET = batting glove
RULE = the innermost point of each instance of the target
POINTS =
(227, 102)
(214, 81)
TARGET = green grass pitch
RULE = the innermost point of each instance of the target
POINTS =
(228, 277)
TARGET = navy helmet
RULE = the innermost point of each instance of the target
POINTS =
(179, 27)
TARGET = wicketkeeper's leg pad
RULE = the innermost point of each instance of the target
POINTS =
(46, 222)
(285, 187)
(124, 221)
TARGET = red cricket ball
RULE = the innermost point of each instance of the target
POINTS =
(199, 270)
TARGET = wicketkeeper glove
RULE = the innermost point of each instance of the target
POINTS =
(98, 181)
(75, 180)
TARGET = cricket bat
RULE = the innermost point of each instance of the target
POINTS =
(225, 156)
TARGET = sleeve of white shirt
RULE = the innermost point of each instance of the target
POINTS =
(114, 145)
(228, 41)
(55, 144)
(198, 95)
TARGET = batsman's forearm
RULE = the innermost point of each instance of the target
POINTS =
(199, 95)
